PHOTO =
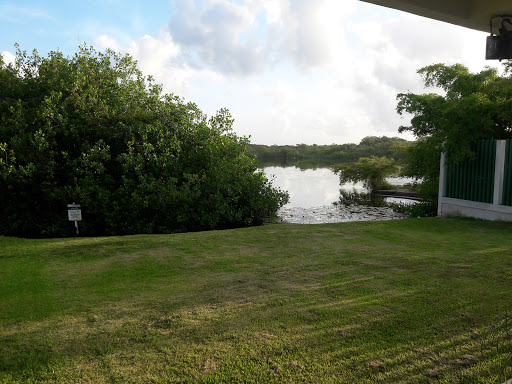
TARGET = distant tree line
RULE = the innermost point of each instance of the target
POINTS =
(390, 147)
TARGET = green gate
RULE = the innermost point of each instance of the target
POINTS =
(473, 179)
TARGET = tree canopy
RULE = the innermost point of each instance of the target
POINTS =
(469, 107)
(92, 129)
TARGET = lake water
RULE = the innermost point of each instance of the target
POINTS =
(315, 187)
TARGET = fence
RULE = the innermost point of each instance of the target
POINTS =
(473, 179)
(507, 180)
(479, 187)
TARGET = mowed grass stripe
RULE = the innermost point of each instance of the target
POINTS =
(419, 300)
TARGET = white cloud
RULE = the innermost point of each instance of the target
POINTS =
(295, 71)
(273, 9)
(400, 46)
(8, 57)
(156, 55)
(210, 36)
(161, 58)
(313, 32)
(283, 99)
(105, 41)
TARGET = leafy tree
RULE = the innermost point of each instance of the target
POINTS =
(372, 171)
(473, 107)
(92, 129)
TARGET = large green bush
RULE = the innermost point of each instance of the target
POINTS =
(91, 129)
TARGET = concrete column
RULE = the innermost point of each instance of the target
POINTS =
(442, 183)
(499, 172)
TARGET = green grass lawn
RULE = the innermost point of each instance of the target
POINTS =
(412, 301)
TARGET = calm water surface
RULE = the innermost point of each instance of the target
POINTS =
(314, 187)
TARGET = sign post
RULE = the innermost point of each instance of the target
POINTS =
(75, 214)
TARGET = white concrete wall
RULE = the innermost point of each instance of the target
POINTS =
(454, 207)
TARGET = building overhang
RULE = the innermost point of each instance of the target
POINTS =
(473, 14)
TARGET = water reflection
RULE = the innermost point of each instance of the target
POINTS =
(354, 197)
(309, 187)
(316, 187)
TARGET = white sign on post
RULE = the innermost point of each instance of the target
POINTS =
(75, 214)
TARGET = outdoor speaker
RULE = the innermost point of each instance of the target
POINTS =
(499, 47)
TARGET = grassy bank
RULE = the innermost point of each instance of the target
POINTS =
(413, 301)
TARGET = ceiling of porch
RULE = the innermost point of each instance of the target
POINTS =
(474, 14)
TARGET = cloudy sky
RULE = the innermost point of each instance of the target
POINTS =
(290, 71)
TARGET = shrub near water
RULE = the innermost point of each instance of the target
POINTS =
(92, 129)
(419, 209)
